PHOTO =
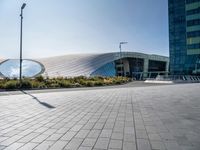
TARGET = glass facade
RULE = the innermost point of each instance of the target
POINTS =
(30, 68)
(136, 64)
(107, 70)
(156, 66)
(184, 35)
(137, 67)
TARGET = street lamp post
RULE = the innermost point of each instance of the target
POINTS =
(120, 48)
(20, 69)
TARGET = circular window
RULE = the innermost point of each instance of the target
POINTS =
(30, 68)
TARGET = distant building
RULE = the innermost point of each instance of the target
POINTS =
(131, 64)
(184, 36)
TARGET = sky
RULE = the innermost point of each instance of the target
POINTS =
(60, 27)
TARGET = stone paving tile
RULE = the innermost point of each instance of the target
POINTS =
(54, 137)
(129, 137)
(69, 135)
(139, 118)
(28, 146)
(172, 145)
(143, 144)
(106, 133)
(158, 145)
(117, 136)
(154, 137)
(118, 129)
(40, 138)
(7, 130)
(94, 133)
(115, 144)
(151, 129)
(11, 140)
(167, 136)
(12, 133)
(189, 148)
(41, 129)
(44, 145)
(102, 143)
(88, 126)
(141, 134)
(14, 146)
(62, 130)
(89, 142)
(109, 125)
(129, 146)
(49, 131)
(98, 126)
(28, 137)
(82, 134)
(3, 138)
(76, 128)
(183, 141)
(2, 147)
(59, 145)
(73, 144)
(85, 148)
(26, 132)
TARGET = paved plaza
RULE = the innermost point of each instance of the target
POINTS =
(163, 117)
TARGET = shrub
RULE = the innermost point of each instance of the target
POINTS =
(79, 78)
(26, 84)
(35, 84)
(40, 82)
(89, 83)
(65, 84)
(54, 85)
(60, 78)
(77, 85)
(99, 83)
(42, 86)
(82, 82)
(1, 85)
(117, 82)
(12, 84)
(39, 78)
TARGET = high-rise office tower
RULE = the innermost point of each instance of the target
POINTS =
(184, 36)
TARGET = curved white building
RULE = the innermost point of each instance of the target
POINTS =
(131, 64)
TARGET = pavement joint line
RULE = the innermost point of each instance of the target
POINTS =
(144, 126)
(134, 122)
(80, 129)
(102, 127)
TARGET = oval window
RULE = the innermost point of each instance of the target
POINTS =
(30, 68)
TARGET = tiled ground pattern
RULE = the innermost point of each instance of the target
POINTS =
(142, 118)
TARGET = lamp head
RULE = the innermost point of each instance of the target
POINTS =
(23, 6)
(123, 43)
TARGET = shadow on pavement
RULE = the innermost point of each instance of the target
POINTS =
(35, 98)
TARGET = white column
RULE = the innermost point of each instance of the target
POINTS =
(146, 66)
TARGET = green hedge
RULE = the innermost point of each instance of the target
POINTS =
(81, 81)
